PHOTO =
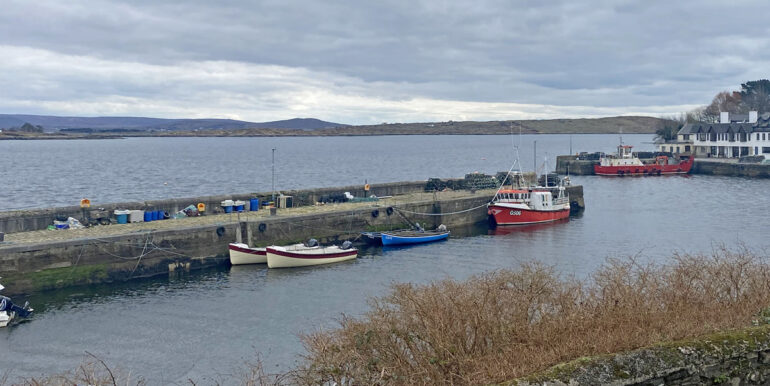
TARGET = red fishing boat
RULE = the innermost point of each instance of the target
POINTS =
(624, 163)
(529, 205)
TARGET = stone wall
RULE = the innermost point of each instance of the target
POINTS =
(731, 169)
(730, 358)
(36, 219)
(26, 268)
(570, 165)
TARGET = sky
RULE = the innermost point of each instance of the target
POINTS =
(368, 62)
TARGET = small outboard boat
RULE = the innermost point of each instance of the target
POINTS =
(10, 311)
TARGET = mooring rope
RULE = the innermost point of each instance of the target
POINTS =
(440, 214)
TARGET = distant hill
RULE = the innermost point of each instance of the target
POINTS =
(98, 124)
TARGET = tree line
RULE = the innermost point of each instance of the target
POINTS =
(753, 96)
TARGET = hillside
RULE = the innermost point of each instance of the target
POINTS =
(97, 124)
(314, 127)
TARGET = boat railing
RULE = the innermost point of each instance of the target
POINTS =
(561, 200)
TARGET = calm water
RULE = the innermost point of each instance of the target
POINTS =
(38, 174)
(206, 325)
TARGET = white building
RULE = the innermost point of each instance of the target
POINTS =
(734, 136)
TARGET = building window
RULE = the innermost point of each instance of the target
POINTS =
(687, 148)
(763, 136)
(686, 137)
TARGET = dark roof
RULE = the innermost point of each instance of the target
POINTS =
(700, 127)
(762, 125)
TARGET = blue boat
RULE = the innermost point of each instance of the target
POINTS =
(413, 237)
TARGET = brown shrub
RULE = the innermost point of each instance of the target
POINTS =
(507, 324)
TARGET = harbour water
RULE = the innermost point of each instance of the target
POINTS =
(207, 325)
(41, 174)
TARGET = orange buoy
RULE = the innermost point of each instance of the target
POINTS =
(85, 203)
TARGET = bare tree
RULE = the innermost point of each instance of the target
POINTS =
(725, 101)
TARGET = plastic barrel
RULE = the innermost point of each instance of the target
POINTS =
(159, 215)
(147, 216)
(238, 206)
(122, 216)
(254, 204)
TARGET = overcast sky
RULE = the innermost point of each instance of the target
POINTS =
(362, 62)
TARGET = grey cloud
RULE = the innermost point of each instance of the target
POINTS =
(591, 53)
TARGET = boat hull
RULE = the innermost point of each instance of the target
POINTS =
(286, 259)
(517, 215)
(644, 170)
(395, 239)
(242, 254)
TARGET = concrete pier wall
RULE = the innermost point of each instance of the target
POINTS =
(570, 165)
(717, 168)
(36, 219)
(41, 266)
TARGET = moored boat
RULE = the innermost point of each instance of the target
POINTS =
(624, 163)
(9, 311)
(529, 205)
(300, 255)
(405, 237)
(243, 254)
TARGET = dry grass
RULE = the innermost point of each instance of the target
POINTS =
(506, 324)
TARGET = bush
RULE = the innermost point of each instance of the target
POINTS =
(506, 324)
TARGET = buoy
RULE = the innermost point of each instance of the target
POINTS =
(201, 207)
(85, 203)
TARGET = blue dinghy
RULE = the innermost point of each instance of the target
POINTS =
(413, 237)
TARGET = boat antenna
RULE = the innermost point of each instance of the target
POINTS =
(515, 162)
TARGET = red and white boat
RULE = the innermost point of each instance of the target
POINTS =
(624, 163)
(299, 255)
(243, 254)
(529, 205)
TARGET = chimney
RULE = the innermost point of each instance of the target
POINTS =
(724, 117)
(752, 117)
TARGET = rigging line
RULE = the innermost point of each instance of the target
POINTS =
(138, 261)
(78, 259)
(441, 214)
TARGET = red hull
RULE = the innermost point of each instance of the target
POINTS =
(510, 216)
(641, 170)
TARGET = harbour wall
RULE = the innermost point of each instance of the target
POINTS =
(37, 219)
(571, 165)
(717, 168)
(34, 267)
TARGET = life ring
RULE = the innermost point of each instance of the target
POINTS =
(85, 203)
(262, 227)
(366, 187)
(375, 213)
(389, 211)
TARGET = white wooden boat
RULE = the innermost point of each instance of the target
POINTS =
(243, 254)
(299, 255)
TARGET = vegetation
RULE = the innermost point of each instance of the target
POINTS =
(507, 324)
(753, 96)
